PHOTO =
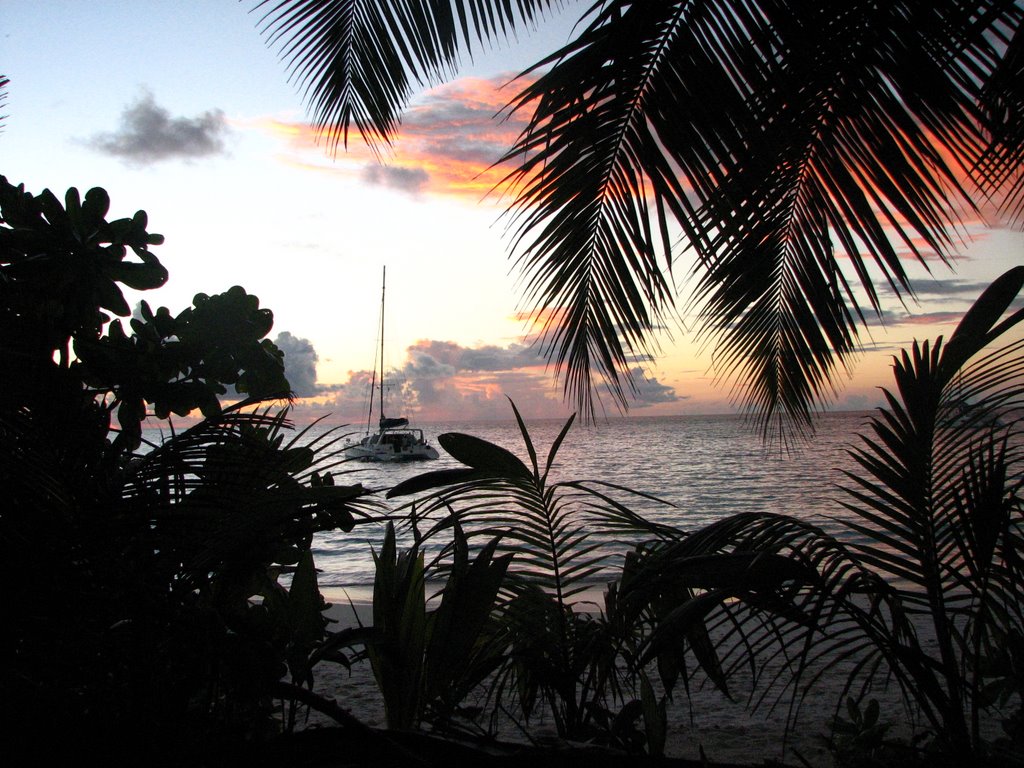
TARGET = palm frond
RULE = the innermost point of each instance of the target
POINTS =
(770, 592)
(549, 527)
(586, 163)
(938, 438)
(931, 550)
(938, 502)
(999, 171)
(778, 137)
(358, 61)
(4, 82)
(551, 534)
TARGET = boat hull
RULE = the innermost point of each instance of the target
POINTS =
(392, 446)
(360, 454)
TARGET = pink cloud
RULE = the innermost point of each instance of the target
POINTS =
(449, 140)
(444, 381)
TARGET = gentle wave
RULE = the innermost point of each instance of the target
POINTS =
(706, 467)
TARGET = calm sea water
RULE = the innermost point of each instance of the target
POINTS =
(706, 467)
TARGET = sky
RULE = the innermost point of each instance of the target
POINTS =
(179, 107)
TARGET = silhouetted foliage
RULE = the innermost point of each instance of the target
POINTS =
(4, 82)
(933, 551)
(545, 650)
(926, 584)
(148, 613)
(426, 660)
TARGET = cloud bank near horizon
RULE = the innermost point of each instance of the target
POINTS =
(445, 381)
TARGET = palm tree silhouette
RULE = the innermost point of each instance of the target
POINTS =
(802, 154)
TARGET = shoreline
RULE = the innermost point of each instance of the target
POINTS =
(705, 724)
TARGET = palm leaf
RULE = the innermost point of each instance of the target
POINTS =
(777, 138)
(4, 82)
(357, 62)
(999, 171)
(827, 129)
(763, 587)
(931, 549)
(938, 504)
(548, 527)
(551, 531)
(582, 220)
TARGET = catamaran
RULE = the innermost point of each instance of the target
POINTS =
(394, 439)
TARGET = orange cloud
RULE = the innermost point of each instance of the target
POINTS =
(448, 143)
(537, 319)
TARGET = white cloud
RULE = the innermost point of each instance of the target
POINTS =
(300, 361)
(444, 381)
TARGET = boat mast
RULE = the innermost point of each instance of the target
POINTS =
(383, 281)
(369, 413)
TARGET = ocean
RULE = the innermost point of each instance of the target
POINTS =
(704, 467)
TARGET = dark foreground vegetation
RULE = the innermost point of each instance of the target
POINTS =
(147, 617)
(161, 603)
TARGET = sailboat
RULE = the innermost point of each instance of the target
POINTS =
(394, 439)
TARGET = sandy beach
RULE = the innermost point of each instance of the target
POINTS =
(725, 730)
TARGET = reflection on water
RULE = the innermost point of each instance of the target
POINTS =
(707, 467)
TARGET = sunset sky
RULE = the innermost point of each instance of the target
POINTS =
(181, 109)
